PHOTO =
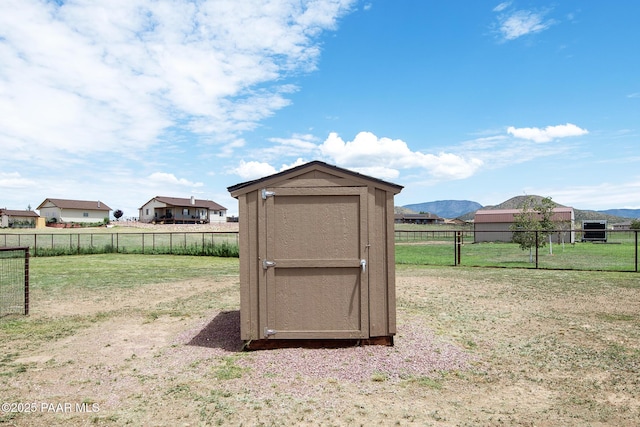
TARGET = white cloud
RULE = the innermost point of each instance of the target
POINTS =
(14, 180)
(164, 178)
(116, 76)
(392, 155)
(255, 170)
(305, 142)
(514, 24)
(547, 134)
(502, 6)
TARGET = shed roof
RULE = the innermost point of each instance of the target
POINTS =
(25, 213)
(245, 187)
(77, 204)
(181, 202)
(507, 215)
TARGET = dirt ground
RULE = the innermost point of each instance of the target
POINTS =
(473, 349)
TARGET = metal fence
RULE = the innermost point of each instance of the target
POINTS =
(190, 242)
(574, 250)
(565, 251)
(14, 281)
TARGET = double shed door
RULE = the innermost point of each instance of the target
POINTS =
(313, 252)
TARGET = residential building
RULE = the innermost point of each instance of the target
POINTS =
(176, 210)
(78, 211)
(18, 218)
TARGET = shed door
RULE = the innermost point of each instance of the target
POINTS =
(314, 285)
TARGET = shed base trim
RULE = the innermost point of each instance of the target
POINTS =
(272, 344)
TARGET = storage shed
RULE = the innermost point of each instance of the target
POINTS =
(317, 259)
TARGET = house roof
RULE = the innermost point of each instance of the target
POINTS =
(299, 170)
(184, 202)
(427, 215)
(25, 213)
(507, 215)
(77, 204)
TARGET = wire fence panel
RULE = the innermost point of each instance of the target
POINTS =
(14, 281)
(563, 250)
(617, 250)
(179, 243)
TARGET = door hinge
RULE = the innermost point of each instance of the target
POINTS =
(266, 193)
(266, 264)
(268, 332)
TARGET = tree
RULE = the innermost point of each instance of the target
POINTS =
(533, 224)
(118, 214)
(635, 224)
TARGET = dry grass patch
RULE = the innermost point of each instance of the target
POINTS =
(475, 347)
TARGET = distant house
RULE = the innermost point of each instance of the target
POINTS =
(18, 219)
(626, 225)
(494, 225)
(175, 210)
(63, 210)
(427, 218)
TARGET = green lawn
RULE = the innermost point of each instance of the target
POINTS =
(619, 256)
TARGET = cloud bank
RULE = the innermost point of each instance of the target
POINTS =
(123, 75)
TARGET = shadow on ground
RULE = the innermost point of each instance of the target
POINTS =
(222, 332)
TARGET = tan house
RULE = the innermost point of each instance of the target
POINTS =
(494, 225)
(18, 218)
(316, 256)
(79, 211)
(175, 210)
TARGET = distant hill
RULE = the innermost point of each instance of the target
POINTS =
(445, 208)
(580, 215)
(518, 201)
(623, 213)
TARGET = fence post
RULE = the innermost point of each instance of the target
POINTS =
(537, 236)
(455, 253)
(26, 281)
(636, 233)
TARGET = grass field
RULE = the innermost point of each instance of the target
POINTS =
(579, 256)
(114, 336)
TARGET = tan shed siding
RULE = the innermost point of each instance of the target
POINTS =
(245, 270)
(377, 266)
(390, 261)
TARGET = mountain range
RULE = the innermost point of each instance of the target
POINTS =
(465, 209)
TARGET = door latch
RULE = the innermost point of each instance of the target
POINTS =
(266, 264)
(266, 194)
(363, 264)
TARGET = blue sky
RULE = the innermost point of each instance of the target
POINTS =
(125, 100)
